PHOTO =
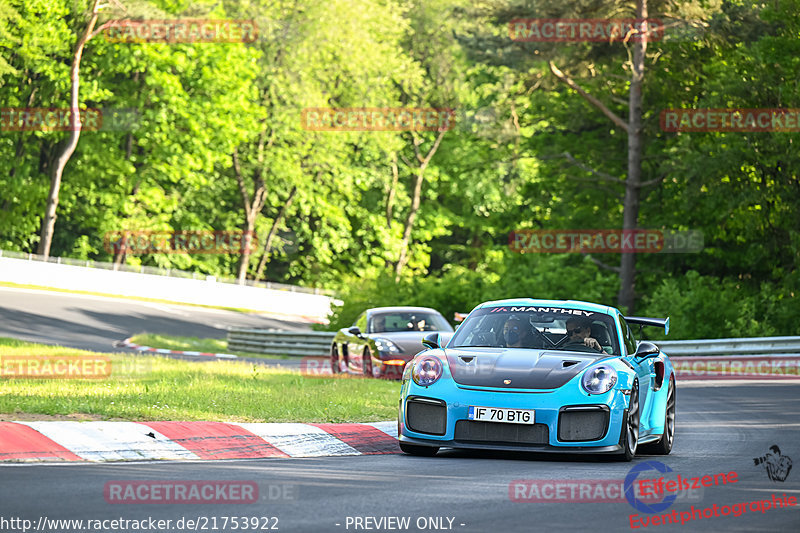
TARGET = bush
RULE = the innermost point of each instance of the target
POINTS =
(706, 307)
(460, 290)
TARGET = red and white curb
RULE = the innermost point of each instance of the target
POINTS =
(128, 344)
(136, 441)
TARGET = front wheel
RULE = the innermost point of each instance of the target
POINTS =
(335, 365)
(664, 445)
(629, 436)
(420, 451)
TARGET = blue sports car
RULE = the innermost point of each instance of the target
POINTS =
(543, 376)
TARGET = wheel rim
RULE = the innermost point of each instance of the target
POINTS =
(633, 419)
(670, 413)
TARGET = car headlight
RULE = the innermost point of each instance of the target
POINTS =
(599, 379)
(385, 345)
(427, 370)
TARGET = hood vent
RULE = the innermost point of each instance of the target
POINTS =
(567, 364)
(466, 359)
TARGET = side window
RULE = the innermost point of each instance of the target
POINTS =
(361, 323)
(627, 337)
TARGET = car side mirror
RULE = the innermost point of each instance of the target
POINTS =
(431, 340)
(354, 331)
(646, 350)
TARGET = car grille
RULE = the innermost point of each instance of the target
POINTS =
(474, 431)
(425, 415)
(582, 425)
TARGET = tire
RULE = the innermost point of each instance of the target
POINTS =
(420, 451)
(629, 435)
(367, 363)
(335, 364)
(664, 445)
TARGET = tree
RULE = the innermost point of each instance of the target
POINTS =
(49, 222)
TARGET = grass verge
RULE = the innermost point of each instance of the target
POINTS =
(157, 388)
(194, 344)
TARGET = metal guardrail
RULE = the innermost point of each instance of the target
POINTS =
(756, 346)
(274, 342)
(318, 344)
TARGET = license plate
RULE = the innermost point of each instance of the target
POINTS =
(500, 414)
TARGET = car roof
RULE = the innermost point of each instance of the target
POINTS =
(577, 304)
(400, 309)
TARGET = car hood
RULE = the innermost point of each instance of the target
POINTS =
(409, 342)
(521, 368)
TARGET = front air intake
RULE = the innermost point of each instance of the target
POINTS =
(521, 434)
(426, 415)
(582, 423)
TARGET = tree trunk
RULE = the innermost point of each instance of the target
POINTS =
(272, 231)
(415, 199)
(412, 214)
(391, 193)
(633, 184)
(627, 278)
(251, 209)
(49, 222)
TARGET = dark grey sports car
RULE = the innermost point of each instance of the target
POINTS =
(383, 339)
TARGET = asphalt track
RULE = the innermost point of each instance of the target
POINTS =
(721, 428)
(96, 322)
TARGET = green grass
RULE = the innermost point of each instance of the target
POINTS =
(157, 388)
(193, 344)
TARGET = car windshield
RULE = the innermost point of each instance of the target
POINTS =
(534, 327)
(408, 321)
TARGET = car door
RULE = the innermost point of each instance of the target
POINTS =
(355, 345)
(645, 372)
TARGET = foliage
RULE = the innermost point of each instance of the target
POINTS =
(501, 167)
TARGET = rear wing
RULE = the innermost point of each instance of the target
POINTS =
(645, 321)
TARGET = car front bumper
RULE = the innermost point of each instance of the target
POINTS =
(438, 415)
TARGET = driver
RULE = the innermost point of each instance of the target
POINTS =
(579, 331)
(379, 324)
(516, 335)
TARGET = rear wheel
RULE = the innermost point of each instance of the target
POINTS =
(664, 445)
(367, 360)
(630, 425)
(335, 368)
(421, 451)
